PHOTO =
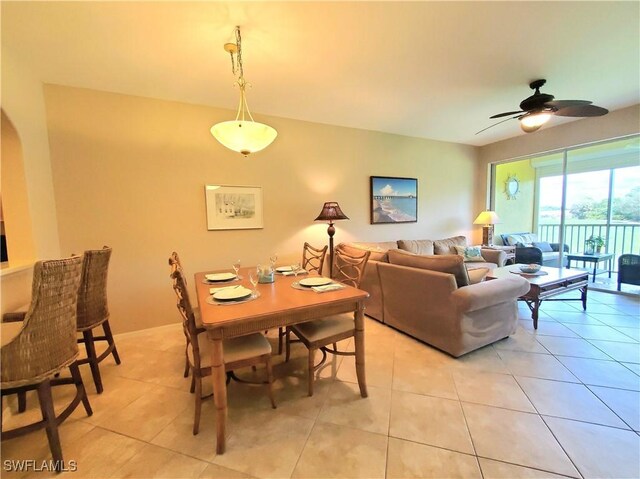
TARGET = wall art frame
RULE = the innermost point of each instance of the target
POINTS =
(393, 200)
(234, 207)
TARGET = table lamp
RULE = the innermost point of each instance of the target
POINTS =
(487, 219)
(331, 212)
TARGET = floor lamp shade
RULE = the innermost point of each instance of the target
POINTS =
(487, 219)
(331, 212)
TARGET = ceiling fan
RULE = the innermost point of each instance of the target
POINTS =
(536, 110)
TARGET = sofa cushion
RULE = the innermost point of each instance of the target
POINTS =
(478, 265)
(477, 275)
(524, 238)
(544, 246)
(470, 254)
(445, 246)
(449, 263)
(378, 250)
(416, 246)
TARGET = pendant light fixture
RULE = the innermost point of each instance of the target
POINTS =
(243, 134)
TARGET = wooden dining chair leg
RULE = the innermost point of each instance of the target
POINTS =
(110, 341)
(192, 389)
(281, 335)
(92, 359)
(77, 379)
(49, 416)
(312, 354)
(287, 335)
(270, 382)
(196, 419)
(22, 401)
(186, 361)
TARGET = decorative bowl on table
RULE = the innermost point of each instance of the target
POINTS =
(530, 268)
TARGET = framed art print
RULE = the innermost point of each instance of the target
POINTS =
(233, 207)
(394, 200)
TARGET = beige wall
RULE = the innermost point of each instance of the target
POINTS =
(129, 172)
(23, 102)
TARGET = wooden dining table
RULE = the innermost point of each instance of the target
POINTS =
(279, 304)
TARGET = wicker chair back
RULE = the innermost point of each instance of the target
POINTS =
(47, 342)
(92, 296)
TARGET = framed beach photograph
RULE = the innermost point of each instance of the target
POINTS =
(394, 200)
(233, 207)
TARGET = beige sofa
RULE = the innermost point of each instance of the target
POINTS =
(438, 298)
(380, 253)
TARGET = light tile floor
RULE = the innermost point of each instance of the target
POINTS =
(557, 402)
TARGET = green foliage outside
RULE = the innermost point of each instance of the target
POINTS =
(625, 209)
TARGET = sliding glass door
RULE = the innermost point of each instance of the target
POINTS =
(581, 197)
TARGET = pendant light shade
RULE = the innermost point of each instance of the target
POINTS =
(245, 137)
(243, 134)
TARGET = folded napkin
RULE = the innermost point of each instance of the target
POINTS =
(327, 287)
(290, 273)
(215, 290)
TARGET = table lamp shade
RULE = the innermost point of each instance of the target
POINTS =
(487, 219)
(330, 212)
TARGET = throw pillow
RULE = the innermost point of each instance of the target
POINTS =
(544, 246)
(445, 246)
(449, 263)
(416, 246)
(470, 253)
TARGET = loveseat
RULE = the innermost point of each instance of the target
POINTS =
(439, 298)
(529, 249)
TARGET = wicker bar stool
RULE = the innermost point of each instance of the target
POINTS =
(93, 311)
(36, 349)
(240, 352)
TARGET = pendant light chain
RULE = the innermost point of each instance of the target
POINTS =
(243, 135)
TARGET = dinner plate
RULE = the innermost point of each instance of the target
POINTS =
(283, 269)
(220, 277)
(231, 294)
(314, 281)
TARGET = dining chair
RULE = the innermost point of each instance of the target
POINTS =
(93, 311)
(313, 258)
(174, 259)
(239, 352)
(312, 261)
(35, 350)
(320, 333)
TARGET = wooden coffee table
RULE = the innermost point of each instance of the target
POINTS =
(544, 287)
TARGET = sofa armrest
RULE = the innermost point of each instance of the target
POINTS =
(489, 293)
(528, 255)
(495, 256)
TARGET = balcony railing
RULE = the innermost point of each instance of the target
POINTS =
(619, 238)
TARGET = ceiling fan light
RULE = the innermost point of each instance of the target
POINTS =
(533, 121)
(245, 137)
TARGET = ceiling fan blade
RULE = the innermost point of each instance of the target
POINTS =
(500, 115)
(557, 104)
(491, 126)
(582, 111)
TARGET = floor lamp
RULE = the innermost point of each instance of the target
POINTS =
(331, 212)
(487, 219)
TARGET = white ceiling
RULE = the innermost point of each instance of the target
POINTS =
(427, 69)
